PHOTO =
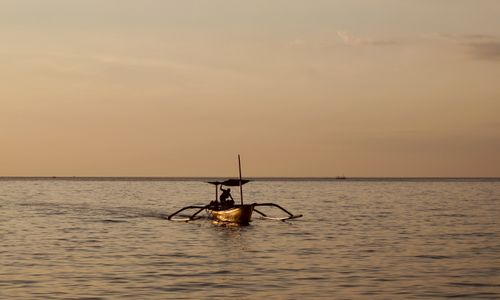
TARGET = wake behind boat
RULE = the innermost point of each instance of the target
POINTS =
(223, 209)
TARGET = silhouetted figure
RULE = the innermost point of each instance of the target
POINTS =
(223, 198)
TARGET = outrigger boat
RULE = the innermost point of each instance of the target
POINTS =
(240, 214)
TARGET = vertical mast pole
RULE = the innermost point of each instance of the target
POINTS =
(241, 187)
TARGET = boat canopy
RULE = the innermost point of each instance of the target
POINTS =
(230, 182)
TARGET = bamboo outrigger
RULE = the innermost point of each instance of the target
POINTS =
(228, 212)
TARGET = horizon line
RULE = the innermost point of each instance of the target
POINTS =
(255, 178)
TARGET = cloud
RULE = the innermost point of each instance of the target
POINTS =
(479, 46)
(486, 50)
(474, 46)
(463, 37)
(482, 46)
(68, 64)
(353, 40)
(350, 39)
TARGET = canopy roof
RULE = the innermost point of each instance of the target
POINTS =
(230, 182)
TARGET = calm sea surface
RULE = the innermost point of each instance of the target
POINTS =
(358, 239)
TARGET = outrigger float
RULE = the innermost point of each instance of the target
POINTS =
(240, 214)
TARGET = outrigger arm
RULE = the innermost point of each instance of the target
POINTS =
(192, 217)
(210, 206)
(290, 215)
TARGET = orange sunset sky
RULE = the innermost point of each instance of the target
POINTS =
(298, 88)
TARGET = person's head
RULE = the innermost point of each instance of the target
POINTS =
(228, 189)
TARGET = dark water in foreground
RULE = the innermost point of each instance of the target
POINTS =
(363, 239)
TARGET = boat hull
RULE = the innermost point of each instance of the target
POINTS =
(239, 214)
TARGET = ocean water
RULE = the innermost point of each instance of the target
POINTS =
(359, 239)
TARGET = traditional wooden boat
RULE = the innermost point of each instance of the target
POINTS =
(240, 214)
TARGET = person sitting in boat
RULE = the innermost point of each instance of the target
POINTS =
(224, 196)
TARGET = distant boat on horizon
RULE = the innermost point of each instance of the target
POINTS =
(341, 177)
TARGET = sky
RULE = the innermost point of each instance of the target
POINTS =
(299, 88)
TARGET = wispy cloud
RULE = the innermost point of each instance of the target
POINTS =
(486, 50)
(89, 64)
(479, 46)
(476, 45)
(353, 40)
(350, 39)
